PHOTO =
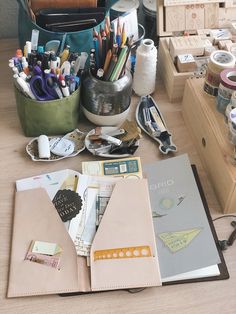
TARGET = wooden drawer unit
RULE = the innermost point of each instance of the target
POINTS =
(173, 80)
(192, 15)
(210, 134)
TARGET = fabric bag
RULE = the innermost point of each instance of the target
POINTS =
(78, 40)
(52, 117)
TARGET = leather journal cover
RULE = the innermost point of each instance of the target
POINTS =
(126, 223)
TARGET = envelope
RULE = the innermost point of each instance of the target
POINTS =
(127, 222)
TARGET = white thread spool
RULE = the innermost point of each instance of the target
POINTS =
(144, 80)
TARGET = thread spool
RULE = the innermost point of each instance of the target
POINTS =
(219, 60)
(145, 68)
(226, 88)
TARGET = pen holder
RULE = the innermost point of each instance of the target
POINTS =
(51, 117)
(106, 103)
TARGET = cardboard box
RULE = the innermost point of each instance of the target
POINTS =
(210, 135)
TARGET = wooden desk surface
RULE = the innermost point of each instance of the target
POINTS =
(204, 297)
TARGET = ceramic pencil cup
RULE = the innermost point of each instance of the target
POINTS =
(106, 103)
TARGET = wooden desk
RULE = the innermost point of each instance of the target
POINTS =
(205, 297)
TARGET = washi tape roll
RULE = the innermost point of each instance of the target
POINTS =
(232, 126)
(221, 103)
(219, 60)
(210, 89)
(230, 106)
(228, 78)
(226, 88)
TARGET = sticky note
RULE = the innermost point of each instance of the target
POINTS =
(46, 248)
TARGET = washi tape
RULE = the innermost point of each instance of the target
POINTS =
(230, 106)
(226, 88)
(210, 89)
(121, 253)
(228, 78)
(221, 103)
(219, 60)
(232, 126)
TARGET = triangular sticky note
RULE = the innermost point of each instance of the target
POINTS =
(178, 240)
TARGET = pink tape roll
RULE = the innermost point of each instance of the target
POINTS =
(228, 78)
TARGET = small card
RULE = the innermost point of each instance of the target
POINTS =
(45, 253)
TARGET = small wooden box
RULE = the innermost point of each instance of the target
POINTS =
(210, 134)
(173, 80)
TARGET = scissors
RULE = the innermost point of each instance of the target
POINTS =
(43, 84)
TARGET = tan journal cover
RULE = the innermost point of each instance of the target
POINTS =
(45, 4)
(126, 222)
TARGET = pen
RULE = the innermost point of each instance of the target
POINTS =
(104, 50)
(96, 47)
(118, 33)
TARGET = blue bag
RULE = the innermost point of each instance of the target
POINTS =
(78, 40)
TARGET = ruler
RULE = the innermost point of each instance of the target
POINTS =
(126, 252)
(184, 2)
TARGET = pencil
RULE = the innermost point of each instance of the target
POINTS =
(107, 60)
(110, 68)
(119, 65)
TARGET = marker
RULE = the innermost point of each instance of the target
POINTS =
(65, 54)
(28, 48)
(24, 86)
(65, 68)
(34, 39)
(65, 89)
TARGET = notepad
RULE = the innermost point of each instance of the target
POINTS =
(185, 243)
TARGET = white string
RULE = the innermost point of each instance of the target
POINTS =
(144, 79)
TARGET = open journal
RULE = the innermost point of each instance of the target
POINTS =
(76, 233)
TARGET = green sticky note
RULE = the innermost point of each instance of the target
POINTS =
(46, 248)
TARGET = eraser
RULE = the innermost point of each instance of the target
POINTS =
(43, 147)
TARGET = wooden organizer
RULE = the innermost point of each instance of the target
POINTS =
(194, 16)
(210, 134)
(173, 80)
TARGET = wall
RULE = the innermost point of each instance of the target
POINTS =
(8, 18)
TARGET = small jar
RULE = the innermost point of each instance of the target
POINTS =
(106, 103)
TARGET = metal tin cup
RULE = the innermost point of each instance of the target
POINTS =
(106, 103)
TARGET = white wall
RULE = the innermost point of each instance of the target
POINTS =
(8, 18)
